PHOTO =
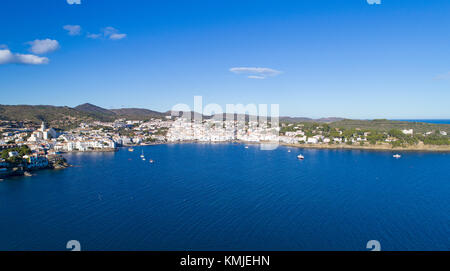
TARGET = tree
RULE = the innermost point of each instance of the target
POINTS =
(396, 144)
(335, 133)
(24, 150)
(15, 160)
(5, 154)
(396, 133)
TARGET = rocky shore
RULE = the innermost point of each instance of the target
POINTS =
(378, 147)
(23, 171)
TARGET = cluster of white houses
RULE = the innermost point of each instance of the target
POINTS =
(220, 131)
(88, 136)
(43, 133)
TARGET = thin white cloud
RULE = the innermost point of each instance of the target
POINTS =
(76, 2)
(7, 57)
(43, 46)
(374, 2)
(93, 36)
(256, 77)
(117, 36)
(255, 72)
(113, 34)
(73, 30)
(107, 33)
(444, 76)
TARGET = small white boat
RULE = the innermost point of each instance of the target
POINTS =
(397, 156)
(142, 155)
(131, 150)
(289, 150)
(246, 147)
(301, 157)
(151, 161)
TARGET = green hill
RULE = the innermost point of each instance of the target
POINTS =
(62, 116)
(137, 113)
(39, 113)
(386, 125)
(93, 109)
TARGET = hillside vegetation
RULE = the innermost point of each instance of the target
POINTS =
(63, 116)
(66, 117)
(384, 125)
(39, 113)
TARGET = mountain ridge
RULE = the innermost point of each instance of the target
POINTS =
(88, 111)
(91, 108)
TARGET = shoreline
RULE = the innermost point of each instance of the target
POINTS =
(88, 151)
(29, 173)
(387, 147)
(24, 171)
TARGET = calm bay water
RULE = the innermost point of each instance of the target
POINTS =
(226, 197)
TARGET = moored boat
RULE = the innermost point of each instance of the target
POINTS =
(301, 157)
(397, 156)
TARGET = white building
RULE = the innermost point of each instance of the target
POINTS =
(43, 133)
(408, 132)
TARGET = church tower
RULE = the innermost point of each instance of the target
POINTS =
(43, 127)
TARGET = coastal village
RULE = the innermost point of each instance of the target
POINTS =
(25, 148)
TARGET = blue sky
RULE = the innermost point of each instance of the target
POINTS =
(316, 58)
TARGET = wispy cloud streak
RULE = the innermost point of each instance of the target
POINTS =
(73, 30)
(255, 72)
(445, 76)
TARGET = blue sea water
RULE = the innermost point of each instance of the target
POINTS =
(226, 197)
(433, 121)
